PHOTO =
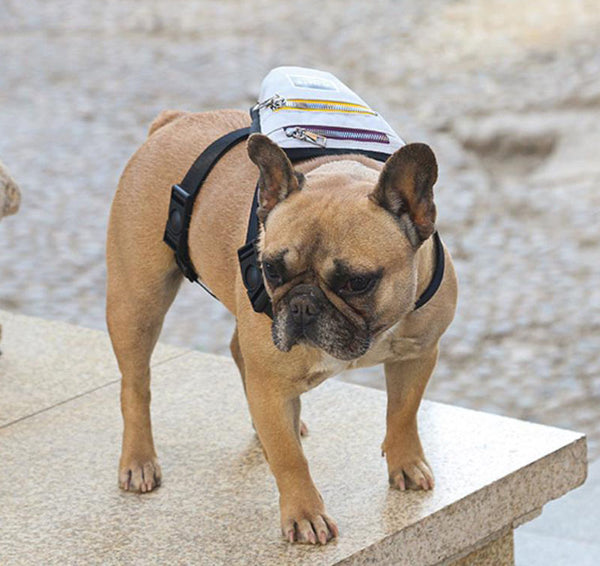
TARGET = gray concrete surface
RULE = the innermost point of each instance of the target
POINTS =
(218, 502)
(508, 94)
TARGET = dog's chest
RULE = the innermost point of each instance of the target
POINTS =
(391, 345)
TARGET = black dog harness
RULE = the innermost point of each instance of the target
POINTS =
(184, 195)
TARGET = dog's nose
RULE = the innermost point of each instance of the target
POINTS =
(304, 309)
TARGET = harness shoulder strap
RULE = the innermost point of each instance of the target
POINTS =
(184, 195)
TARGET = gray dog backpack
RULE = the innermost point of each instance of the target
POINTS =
(305, 108)
(308, 113)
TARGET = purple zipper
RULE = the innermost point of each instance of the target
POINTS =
(337, 133)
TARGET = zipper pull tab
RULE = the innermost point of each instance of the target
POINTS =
(274, 103)
(306, 135)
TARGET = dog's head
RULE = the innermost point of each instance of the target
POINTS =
(339, 243)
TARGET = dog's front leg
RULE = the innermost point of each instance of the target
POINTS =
(405, 382)
(275, 417)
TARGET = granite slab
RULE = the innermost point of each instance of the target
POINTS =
(218, 503)
(46, 362)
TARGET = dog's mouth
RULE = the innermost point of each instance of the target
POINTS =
(333, 334)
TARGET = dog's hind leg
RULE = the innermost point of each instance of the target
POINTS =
(142, 281)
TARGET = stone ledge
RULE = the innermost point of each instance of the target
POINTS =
(218, 503)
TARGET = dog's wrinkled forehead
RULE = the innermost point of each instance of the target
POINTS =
(291, 241)
(319, 230)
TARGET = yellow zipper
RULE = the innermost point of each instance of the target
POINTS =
(309, 105)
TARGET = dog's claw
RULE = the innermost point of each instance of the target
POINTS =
(397, 481)
(127, 482)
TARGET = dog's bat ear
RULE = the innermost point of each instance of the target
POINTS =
(277, 176)
(405, 187)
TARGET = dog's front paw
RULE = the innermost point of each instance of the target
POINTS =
(407, 466)
(411, 473)
(307, 522)
(139, 475)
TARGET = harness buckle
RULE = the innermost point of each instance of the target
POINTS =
(252, 277)
(176, 230)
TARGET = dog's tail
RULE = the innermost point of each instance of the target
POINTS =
(164, 118)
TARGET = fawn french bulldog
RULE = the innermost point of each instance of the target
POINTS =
(346, 247)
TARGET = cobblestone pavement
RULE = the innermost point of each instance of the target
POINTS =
(508, 94)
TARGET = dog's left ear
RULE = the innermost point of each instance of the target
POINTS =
(405, 186)
(277, 176)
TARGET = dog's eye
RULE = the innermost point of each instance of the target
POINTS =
(271, 273)
(357, 285)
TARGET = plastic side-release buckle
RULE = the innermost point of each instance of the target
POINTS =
(252, 277)
(176, 230)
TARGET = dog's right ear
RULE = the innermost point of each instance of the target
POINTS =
(405, 188)
(277, 176)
